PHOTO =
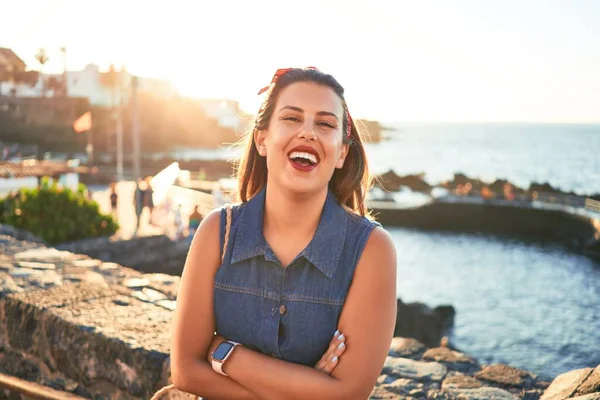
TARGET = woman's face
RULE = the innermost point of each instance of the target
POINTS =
(303, 144)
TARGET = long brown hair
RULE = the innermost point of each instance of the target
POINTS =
(350, 184)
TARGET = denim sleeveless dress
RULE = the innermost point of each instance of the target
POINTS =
(289, 313)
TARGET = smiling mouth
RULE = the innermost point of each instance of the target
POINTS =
(303, 158)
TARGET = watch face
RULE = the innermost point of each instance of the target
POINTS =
(222, 350)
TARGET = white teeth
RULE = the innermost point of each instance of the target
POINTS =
(307, 156)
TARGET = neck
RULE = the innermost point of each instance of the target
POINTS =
(292, 214)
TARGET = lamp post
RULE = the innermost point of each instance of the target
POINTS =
(135, 127)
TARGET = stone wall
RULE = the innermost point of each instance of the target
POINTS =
(100, 330)
(575, 231)
(146, 253)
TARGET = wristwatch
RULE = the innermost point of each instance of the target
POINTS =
(221, 354)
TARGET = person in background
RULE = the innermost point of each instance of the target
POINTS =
(202, 174)
(178, 221)
(114, 198)
(194, 221)
(149, 199)
(138, 202)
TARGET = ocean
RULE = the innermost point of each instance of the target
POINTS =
(566, 156)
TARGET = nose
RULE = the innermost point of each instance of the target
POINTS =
(307, 131)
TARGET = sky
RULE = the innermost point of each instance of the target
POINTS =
(420, 60)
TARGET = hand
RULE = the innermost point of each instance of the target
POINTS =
(331, 358)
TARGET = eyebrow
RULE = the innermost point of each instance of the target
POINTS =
(301, 110)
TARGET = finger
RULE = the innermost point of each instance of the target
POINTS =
(340, 349)
(335, 342)
(333, 345)
(334, 339)
(330, 365)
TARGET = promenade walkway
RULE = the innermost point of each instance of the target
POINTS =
(127, 218)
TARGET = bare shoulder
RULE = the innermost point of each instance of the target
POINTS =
(205, 249)
(211, 222)
(379, 255)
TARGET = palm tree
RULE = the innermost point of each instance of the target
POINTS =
(42, 58)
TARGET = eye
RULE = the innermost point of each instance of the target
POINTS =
(327, 125)
(293, 119)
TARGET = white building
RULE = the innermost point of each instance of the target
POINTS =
(96, 86)
(226, 112)
(90, 83)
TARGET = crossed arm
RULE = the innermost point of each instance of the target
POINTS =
(367, 321)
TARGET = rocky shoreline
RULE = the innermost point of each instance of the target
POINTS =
(390, 181)
(100, 330)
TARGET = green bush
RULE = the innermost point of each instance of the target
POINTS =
(56, 214)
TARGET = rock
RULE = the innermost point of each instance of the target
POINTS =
(13, 362)
(406, 348)
(507, 376)
(8, 285)
(384, 379)
(60, 383)
(566, 384)
(122, 301)
(591, 384)
(6, 266)
(47, 280)
(163, 279)
(136, 283)
(87, 263)
(140, 296)
(380, 393)
(154, 295)
(72, 270)
(591, 396)
(168, 304)
(392, 182)
(44, 254)
(87, 276)
(108, 266)
(401, 386)
(461, 381)
(419, 321)
(482, 393)
(418, 393)
(24, 272)
(452, 359)
(411, 369)
(36, 265)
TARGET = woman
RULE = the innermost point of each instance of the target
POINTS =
(304, 302)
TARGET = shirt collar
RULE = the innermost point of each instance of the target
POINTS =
(323, 251)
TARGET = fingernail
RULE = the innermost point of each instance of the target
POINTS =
(334, 359)
(341, 346)
(336, 333)
(341, 337)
